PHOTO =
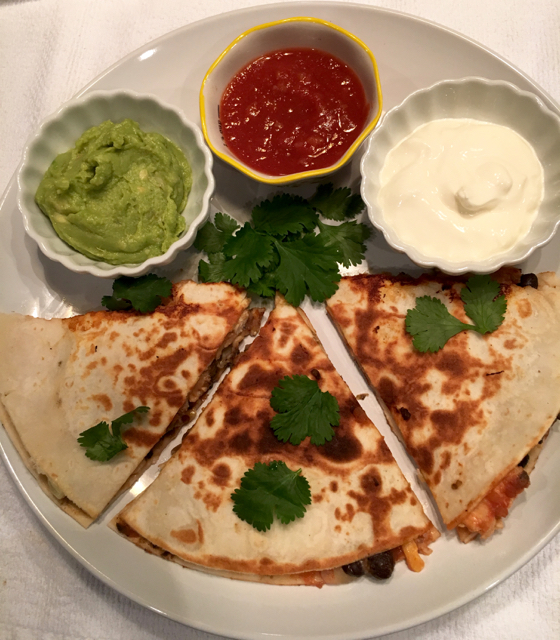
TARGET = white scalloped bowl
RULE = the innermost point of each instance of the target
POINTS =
(480, 99)
(59, 132)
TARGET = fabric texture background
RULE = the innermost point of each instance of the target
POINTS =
(49, 49)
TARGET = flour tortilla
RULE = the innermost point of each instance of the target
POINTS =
(469, 413)
(362, 504)
(60, 377)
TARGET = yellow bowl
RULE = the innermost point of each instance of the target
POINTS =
(282, 34)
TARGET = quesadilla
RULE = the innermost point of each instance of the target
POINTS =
(60, 377)
(362, 506)
(472, 414)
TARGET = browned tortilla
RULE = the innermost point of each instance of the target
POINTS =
(470, 412)
(362, 504)
(60, 377)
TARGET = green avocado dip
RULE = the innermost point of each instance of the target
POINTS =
(118, 195)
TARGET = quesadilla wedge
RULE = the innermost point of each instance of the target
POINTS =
(472, 414)
(61, 377)
(361, 507)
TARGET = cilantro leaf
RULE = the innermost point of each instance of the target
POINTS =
(284, 214)
(269, 490)
(286, 247)
(214, 270)
(338, 204)
(303, 410)
(265, 287)
(211, 238)
(306, 266)
(143, 294)
(431, 324)
(482, 304)
(248, 251)
(347, 238)
(103, 444)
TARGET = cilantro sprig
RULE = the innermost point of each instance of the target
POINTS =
(142, 294)
(286, 247)
(303, 410)
(269, 490)
(431, 325)
(102, 443)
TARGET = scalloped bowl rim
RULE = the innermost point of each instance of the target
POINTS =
(303, 175)
(515, 254)
(91, 266)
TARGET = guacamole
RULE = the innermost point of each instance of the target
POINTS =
(118, 195)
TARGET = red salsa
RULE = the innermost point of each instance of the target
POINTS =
(293, 110)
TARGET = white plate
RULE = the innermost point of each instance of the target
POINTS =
(411, 53)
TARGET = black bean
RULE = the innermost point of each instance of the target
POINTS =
(355, 569)
(524, 462)
(381, 565)
(529, 280)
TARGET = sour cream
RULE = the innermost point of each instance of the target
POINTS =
(461, 189)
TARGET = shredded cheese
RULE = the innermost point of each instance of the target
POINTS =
(413, 559)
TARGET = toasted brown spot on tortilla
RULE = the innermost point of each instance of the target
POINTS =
(386, 388)
(212, 501)
(241, 443)
(424, 457)
(342, 448)
(167, 339)
(148, 381)
(300, 355)
(359, 414)
(259, 378)
(188, 536)
(235, 416)
(383, 453)
(371, 481)
(445, 460)
(117, 369)
(221, 474)
(187, 474)
(451, 425)
(104, 400)
(141, 437)
(524, 308)
(155, 418)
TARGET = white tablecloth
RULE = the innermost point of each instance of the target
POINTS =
(49, 49)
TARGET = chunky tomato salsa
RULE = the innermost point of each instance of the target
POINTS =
(293, 110)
